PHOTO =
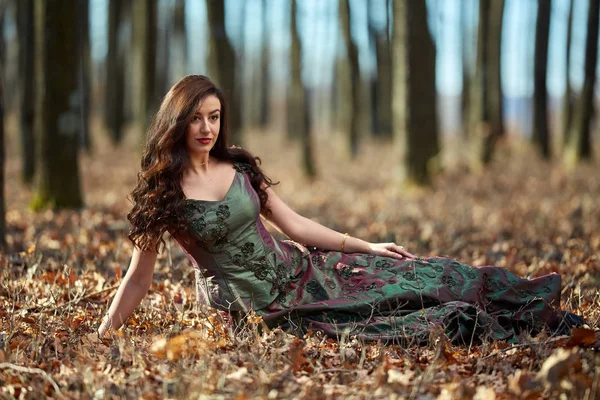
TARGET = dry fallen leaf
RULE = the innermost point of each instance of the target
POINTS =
(558, 366)
(401, 377)
(241, 374)
(484, 393)
(582, 337)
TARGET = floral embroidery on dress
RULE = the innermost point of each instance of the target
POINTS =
(382, 264)
(330, 284)
(469, 272)
(346, 271)
(247, 249)
(349, 288)
(492, 284)
(409, 276)
(437, 267)
(319, 260)
(223, 212)
(318, 292)
(312, 286)
(242, 167)
(546, 289)
(451, 283)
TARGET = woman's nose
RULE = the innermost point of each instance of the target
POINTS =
(204, 126)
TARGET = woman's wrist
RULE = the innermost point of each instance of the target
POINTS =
(356, 245)
(343, 245)
(104, 326)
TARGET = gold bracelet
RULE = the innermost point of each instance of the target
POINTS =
(344, 241)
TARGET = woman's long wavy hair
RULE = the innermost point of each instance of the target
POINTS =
(158, 197)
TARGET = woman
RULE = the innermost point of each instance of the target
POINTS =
(211, 197)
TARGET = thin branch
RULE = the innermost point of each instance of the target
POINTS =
(38, 371)
(517, 346)
(74, 301)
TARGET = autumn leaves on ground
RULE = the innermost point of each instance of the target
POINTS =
(531, 217)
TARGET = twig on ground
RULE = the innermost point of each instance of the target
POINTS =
(516, 346)
(354, 371)
(29, 370)
(74, 301)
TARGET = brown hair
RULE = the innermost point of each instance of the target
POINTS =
(158, 197)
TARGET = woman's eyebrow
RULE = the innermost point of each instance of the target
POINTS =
(211, 112)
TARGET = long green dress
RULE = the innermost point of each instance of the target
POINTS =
(376, 298)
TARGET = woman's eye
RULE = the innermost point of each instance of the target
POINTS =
(214, 117)
(196, 118)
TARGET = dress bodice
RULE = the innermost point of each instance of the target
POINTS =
(228, 241)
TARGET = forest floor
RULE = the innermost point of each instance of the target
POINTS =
(529, 216)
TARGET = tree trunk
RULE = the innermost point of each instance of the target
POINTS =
(85, 66)
(541, 136)
(494, 83)
(486, 110)
(415, 106)
(467, 70)
(298, 109)
(163, 30)
(579, 144)
(567, 115)
(144, 61)
(222, 67)
(308, 160)
(179, 44)
(2, 152)
(342, 81)
(265, 62)
(381, 86)
(246, 75)
(352, 54)
(26, 87)
(295, 103)
(114, 108)
(58, 113)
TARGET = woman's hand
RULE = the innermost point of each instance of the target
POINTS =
(390, 250)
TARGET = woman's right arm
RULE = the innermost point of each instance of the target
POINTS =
(133, 288)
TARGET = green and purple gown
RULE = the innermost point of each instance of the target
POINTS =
(244, 267)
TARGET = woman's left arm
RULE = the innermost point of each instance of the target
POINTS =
(311, 233)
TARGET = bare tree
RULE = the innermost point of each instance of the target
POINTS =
(541, 135)
(352, 53)
(2, 202)
(26, 87)
(381, 86)
(467, 47)
(486, 110)
(179, 44)
(164, 31)
(265, 61)
(567, 113)
(85, 66)
(579, 144)
(222, 66)
(414, 93)
(114, 108)
(295, 96)
(298, 110)
(144, 61)
(58, 108)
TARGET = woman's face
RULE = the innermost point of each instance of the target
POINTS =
(203, 130)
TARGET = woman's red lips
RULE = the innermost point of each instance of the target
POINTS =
(204, 140)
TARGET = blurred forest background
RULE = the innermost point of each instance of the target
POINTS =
(406, 73)
(464, 128)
